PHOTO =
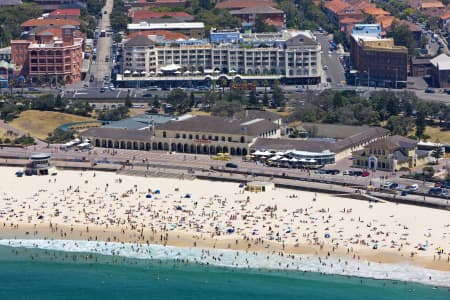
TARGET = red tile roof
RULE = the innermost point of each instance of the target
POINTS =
(65, 12)
(147, 14)
(445, 16)
(168, 35)
(336, 6)
(374, 11)
(433, 4)
(238, 4)
(47, 22)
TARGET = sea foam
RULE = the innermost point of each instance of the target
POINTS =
(242, 259)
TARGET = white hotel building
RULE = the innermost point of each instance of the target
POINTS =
(292, 57)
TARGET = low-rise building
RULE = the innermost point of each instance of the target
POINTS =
(392, 153)
(5, 3)
(139, 4)
(420, 67)
(156, 17)
(188, 134)
(440, 72)
(65, 13)
(239, 4)
(268, 14)
(192, 29)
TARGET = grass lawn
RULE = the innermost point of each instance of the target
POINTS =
(39, 123)
(435, 133)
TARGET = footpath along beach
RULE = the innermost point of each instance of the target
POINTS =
(195, 214)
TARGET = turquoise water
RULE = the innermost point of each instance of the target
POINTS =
(45, 274)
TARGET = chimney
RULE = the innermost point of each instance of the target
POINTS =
(67, 35)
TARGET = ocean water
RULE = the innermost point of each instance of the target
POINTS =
(40, 270)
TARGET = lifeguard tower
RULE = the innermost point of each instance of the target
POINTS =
(38, 165)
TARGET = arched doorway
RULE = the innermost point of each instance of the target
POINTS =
(129, 145)
(186, 148)
(244, 152)
(116, 144)
(97, 143)
(166, 147)
(199, 149)
(122, 145)
(141, 146)
(225, 149)
(173, 147)
(212, 150)
(180, 147)
(232, 151)
(238, 151)
(147, 146)
(192, 149)
(218, 149)
(155, 146)
(110, 144)
(135, 146)
(103, 143)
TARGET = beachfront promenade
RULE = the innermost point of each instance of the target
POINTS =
(203, 167)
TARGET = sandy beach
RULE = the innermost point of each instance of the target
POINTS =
(100, 206)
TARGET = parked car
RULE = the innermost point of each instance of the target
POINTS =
(430, 91)
(365, 174)
(387, 184)
(435, 191)
(413, 187)
(231, 165)
(357, 173)
(147, 95)
(393, 186)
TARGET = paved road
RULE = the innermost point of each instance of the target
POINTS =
(99, 67)
(331, 59)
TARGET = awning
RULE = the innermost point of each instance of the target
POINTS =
(170, 68)
(187, 72)
(208, 71)
(197, 72)
(152, 72)
(127, 72)
(135, 73)
(143, 73)
(177, 72)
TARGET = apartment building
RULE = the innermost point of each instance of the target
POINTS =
(378, 61)
(48, 56)
(290, 55)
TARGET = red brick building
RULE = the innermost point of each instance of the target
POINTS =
(378, 61)
(48, 56)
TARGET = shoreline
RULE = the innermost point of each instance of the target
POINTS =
(240, 260)
(194, 240)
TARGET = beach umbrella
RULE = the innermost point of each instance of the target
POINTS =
(230, 230)
(157, 192)
(41, 217)
(187, 196)
(241, 185)
(327, 235)
(179, 207)
(148, 196)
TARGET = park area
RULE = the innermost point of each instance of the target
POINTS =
(39, 124)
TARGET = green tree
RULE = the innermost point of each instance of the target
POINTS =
(252, 100)
(262, 26)
(265, 99)
(404, 37)
(156, 102)
(128, 102)
(179, 100)
(420, 124)
(278, 95)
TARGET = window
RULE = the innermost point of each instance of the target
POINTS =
(190, 136)
(229, 138)
(223, 139)
(184, 135)
(164, 134)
